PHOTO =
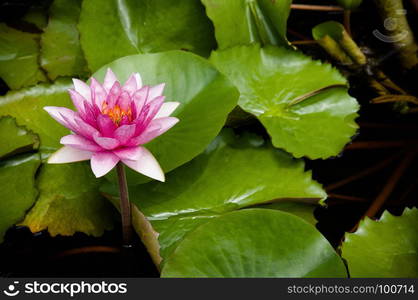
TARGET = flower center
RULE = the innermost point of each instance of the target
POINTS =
(116, 114)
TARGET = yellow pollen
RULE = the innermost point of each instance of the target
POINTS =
(116, 113)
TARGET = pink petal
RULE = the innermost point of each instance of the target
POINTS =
(124, 101)
(114, 94)
(156, 128)
(130, 85)
(98, 93)
(138, 80)
(134, 112)
(106, 142)
(68, 154)
(83, 89)
(129, 153)
(109, 80)
(156, 91)
(146, 165)
(79, 142)
(140, 120)
(78, 126)
(147, 114)
(140, 98)
(154, 107)
(103, 162)
(105, 125)
(62, 115)
(83, 128)
(78, 100)
(124, 133)
(91, 113)
(166, 109)
(124, 121)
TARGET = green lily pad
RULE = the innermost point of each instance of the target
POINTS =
(232, 173)
(19, 53)
(27, 105)
(15, 139)
(18, 191)
(69, 202)
(304, 210)
(242, 22)
(112, 29)
(287, 91)
(384, 248)
(61, 53)
(254, 243)
(206, 97)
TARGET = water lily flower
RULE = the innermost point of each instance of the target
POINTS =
(112, 123)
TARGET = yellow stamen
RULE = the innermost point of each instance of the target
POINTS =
(116, 113)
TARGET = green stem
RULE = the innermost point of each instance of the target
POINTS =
(347, 21)
(125, 206)
(399, 32)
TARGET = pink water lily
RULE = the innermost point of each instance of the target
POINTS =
(111, 124)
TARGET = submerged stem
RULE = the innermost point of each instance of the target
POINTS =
(125, 206)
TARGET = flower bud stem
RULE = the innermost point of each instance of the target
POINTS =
(125, 206)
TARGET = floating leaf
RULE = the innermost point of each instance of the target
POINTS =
(18, 192)
(231, 174)
(15, 139)
(115, 28)
(69, 202)
(303, 210)
(61, 53)
(19, 53)
(254, 243)
(384, 248)
(241, 22)
(205, 95)
(289, 93)
(27, 107)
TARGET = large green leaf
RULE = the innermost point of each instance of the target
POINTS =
(231, 174)
(61, 53)
(301, 209)
(19, 53)
(254, 243)
(27, 107)
(205, 95)
(17, 185)
(69, 202)
(274, 83)
(115, 28)
(15, 139)
(241, 22)
(384, 248)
